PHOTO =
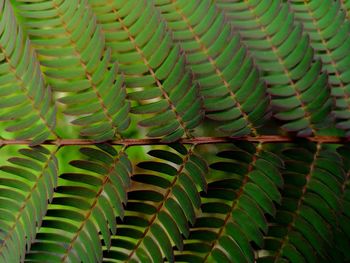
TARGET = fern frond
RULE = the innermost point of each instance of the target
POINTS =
(300, 94)
(328, 28)
(341, 230)
(302, 228)
(85, 203)
(26, 185)
(234, 188)
(75, 61)
(26, 107)
(244, 187)
(153, 65)
(230, 83)
(163, 199)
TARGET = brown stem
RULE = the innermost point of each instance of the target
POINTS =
(197, 140)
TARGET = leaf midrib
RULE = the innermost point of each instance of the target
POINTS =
(27, 200)
(160, 207)
(240, 192)
(106, 180)
(289, 228)
(151, 71)
(218, 72)
(282, 63)
(83, 64)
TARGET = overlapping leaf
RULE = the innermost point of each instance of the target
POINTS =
(341, 230)
(300, 93)
(173, 53)
(75, 61)
(153, 65)
(328, 28)
(244, 187)
(25, 100)
(230, 83)
(85, 203)
(163, 201)
(26, 185)
(302, 228)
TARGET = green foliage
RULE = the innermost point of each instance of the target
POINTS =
(27, 184)
(327, 26)
(230, 84)
(299, 89)
(26, 107)
(75, 61)
(103, 105)
(302, 228)
(154, 65)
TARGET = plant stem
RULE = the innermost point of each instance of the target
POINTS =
(197, 140)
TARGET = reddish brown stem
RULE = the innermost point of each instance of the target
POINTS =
(197, 140)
